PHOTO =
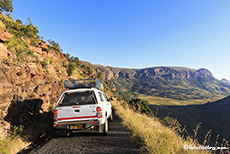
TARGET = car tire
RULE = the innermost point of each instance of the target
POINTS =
(62, 133)
(104, 127)
(111, 116)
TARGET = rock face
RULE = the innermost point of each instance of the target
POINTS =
(28, 87)
(3, 51)
(4, 36)
(23, 84)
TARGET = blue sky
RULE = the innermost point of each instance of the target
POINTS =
(136, 33)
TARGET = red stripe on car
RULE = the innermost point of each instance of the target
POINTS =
(76, 118)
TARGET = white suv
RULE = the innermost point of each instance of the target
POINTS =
(82, 107)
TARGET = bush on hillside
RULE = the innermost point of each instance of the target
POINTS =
(99, 75)
(44, 63)
(73, 59)
(90, 70)
(55, 46)
(20, 30)
(19, 43)
(70, 68)
(140, 106)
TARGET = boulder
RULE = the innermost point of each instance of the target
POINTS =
(3, 51)
(36, 50)
(32, 68)
(44, 47)
(4, 35)
(52, 71)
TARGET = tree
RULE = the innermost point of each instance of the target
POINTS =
(73, 60)
(31, 31)
(6, 5)
(90, 70)
(55, 45)
(67, 55)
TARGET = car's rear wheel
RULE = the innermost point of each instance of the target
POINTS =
(104, 128)
(111, 116)
(62, 133)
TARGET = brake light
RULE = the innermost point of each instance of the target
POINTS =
(99, 112)
(99, 109)
(55, 115)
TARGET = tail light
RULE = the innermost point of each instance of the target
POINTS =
(55, 115)
(99, 112)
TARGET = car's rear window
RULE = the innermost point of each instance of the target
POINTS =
(78, 98)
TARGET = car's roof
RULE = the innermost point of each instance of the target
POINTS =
(81, 89)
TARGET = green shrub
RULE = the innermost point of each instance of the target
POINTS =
(140, 106)
(70, 69)
(55, 46)
(63, 63)
(20, 30)
(73, 59)
(44, 63)
(17, 130)
(99, 75)
(83, 66)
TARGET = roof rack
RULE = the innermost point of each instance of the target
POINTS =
(83, 83)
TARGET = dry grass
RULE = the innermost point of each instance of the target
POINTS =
(154, 137)
(11, 145)
(169, 101)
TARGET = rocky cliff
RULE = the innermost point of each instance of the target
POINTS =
(29, 84)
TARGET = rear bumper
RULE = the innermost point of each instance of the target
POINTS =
(85, 124)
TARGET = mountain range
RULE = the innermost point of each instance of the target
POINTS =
(168, 82)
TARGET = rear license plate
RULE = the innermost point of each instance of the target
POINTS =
(76, 126)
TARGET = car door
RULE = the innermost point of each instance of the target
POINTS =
(108, 104)
(103, 102)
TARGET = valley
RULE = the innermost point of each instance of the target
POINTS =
(212, 116)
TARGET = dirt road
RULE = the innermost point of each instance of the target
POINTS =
(116, 141)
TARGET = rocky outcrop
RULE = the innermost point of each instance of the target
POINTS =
(28, 87)
(3, 51)
(26, 82)
(4, 35)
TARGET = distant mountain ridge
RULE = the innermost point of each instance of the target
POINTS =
(170, 82)
(225, 81)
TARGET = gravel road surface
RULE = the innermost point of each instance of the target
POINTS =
(116, 141)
